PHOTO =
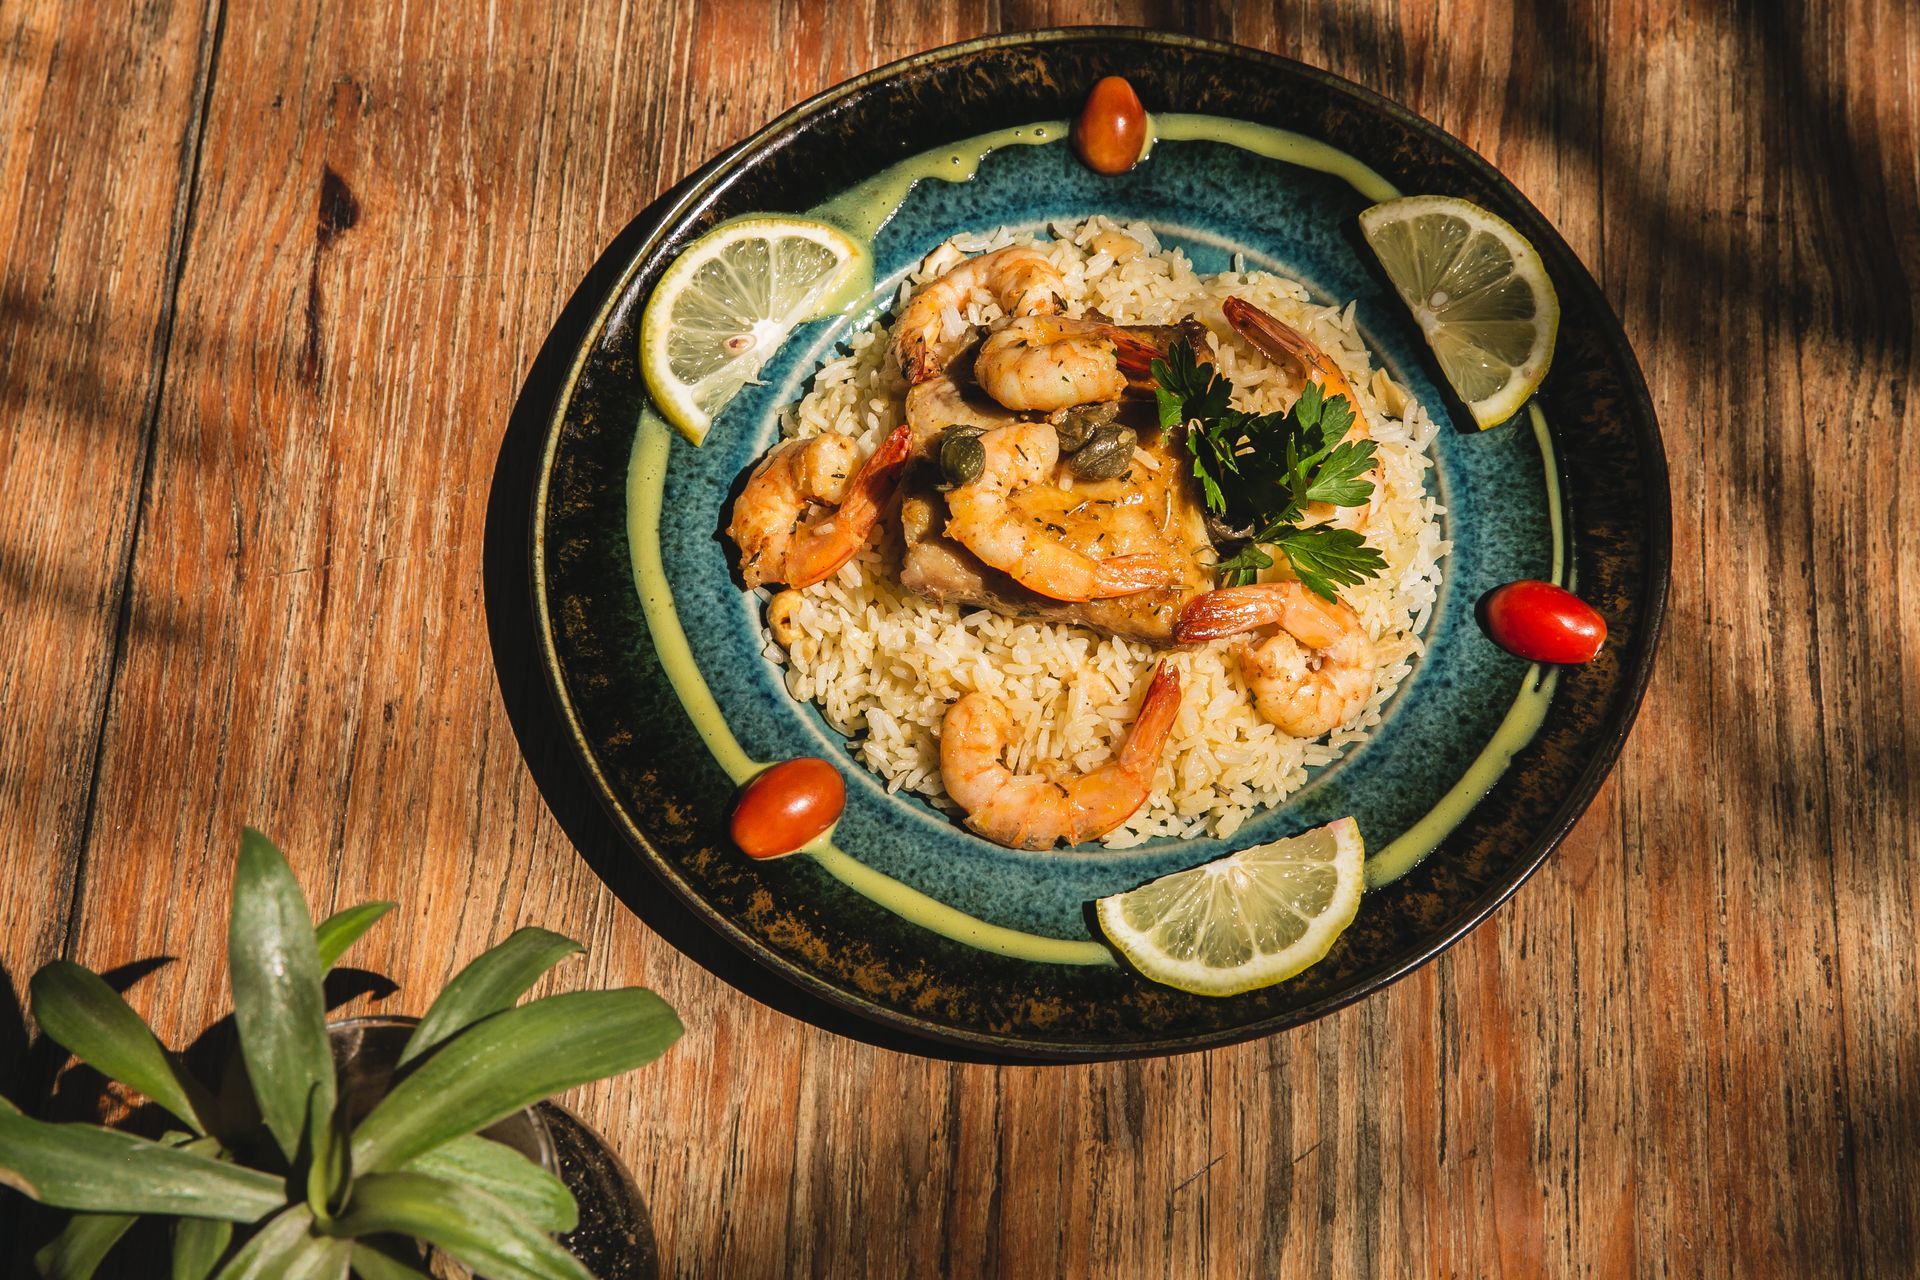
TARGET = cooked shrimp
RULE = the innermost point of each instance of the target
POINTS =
(1045, 363)
(1309, 677)
(1284, 343)
(1020, 279)
(1049, 363)
(1027, 812)
(982, 519)
(770, 517)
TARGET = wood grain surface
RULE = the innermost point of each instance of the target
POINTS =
(275, 282)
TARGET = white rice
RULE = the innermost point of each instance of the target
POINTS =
(884, 664)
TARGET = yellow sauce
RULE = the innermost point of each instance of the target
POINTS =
(646, 484)
(1274, 144)
(862, 210)
(853, 291)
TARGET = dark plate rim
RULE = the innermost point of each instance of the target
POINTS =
(706, 181)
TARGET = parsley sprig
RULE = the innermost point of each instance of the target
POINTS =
(1260, 471)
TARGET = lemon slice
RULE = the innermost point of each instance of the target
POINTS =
(728, 302)
(1249, 920)
(1479, 292)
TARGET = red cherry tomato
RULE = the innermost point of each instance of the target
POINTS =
(1544, 623)
(1112, 129)
(788, 805)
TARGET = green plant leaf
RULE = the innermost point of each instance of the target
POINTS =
(491, 982)
(287, 1249)
(370, 1263)
(87, 1238)
(327, 1169)
(332, 936)
(486, 1234)
(504, 1174)
(80, 1166)
(509, 1061)
(277, 1004)
(76, 1253)
(78, 1009)
(197, 1246)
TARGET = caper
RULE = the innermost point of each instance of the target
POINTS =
(1075, 425)
(1223, 530)
(1107, 453)
(1072, 433)
(962, 456)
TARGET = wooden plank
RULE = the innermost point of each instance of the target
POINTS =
(1744, 1142)
(98, 131)
(367, 278)
(1685, 1048)
(1856, 122)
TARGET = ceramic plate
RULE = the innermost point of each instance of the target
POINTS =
(1575, 491)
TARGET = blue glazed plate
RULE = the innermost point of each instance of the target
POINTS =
(1596, 455)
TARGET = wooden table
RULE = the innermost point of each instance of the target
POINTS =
(273, 285)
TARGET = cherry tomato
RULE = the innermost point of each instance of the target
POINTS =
(786, 806)
(1544, 623)
(1112, 129)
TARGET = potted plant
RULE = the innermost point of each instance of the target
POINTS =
(298, 1169)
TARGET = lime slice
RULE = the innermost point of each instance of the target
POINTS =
(1478, 290)
(1249, 920)
(728, 302)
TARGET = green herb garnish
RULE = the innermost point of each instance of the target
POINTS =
(1262, 470)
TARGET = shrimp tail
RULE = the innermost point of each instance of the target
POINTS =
(1275, 338)
(1092, 817)
(920, 364)
(1280, 341)
(1155, 721)
(1136, 347)
(1130, 574)
(817, 559)
(1229, 611)
(1134, 354)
